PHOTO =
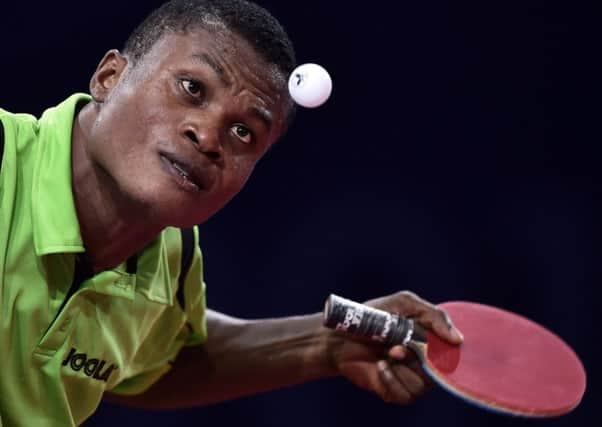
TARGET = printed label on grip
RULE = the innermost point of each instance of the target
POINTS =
(353, 318)
(384, 333)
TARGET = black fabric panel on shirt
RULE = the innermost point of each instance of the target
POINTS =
(83, 270)
(185, 261)
(1, 143)
(132, 264)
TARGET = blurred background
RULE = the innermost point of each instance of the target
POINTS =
(457, 157)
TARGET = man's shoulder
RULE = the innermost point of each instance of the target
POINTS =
(18, 129)
(61, 116)
(22, 119)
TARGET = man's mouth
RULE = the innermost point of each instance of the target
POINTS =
(184, 173)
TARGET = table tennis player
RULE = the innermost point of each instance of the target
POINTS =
(101, 276)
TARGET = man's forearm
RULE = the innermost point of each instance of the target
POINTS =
(242, 357)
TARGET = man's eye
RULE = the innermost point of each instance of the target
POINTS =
(194, 88)
(242, 132)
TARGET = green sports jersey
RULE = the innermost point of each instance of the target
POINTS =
(62, 346)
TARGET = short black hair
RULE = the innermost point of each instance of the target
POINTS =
(248, 20)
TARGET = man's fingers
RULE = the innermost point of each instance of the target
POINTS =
(430, 316)
(398, 352)
(411, 381)
(394, 390)
(440, 322)
(402, 356)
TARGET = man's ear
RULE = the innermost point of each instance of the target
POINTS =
(107, 75)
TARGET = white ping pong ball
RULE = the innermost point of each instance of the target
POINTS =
(310, 85)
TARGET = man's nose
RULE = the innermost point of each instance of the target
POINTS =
(205, 139)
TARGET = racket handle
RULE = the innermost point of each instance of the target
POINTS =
(364, 321)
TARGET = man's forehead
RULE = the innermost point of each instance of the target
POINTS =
(216, 41)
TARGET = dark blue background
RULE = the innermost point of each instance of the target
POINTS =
(458, 157)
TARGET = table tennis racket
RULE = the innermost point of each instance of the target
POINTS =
(507, 363)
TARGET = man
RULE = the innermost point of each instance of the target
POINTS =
(98, 293)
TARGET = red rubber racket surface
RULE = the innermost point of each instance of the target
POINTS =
(507, 363)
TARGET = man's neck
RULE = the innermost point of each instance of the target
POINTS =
(111, 228)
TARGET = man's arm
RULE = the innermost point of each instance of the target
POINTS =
(240, 357)
(243, 357)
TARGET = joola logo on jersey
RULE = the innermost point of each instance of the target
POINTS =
(91, 367)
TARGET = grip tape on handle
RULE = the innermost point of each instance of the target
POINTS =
(368, 322)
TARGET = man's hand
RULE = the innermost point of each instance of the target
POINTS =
(393, 373)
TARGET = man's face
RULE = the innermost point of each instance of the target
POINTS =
(179, 133)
